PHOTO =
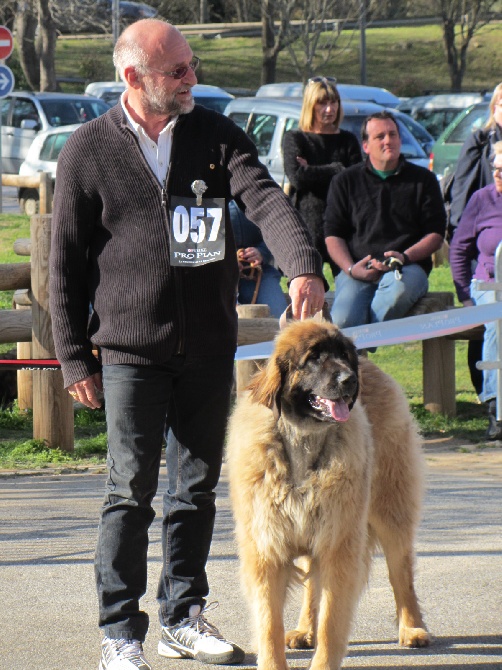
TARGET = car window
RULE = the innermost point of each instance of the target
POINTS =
(436, 120)
(52, 146)
(261, 130)
(23, 109)
(472, 121)
(66, 112)
(291, 124)
(240, 119)
(4, 111)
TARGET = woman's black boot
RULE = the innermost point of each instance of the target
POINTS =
(494, 431)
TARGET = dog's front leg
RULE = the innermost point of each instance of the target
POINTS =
(269, 594)
(341, 582)
(303, 637)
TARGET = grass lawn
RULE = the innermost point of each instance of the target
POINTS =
(403, 362)
(408, 61)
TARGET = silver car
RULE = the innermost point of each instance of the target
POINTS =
(24, 114)
(266, 119)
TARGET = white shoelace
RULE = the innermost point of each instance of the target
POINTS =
(200, 625)
(130, 649)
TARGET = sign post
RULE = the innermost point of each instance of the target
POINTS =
(6, 82)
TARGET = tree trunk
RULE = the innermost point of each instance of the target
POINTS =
(48, 38)
(25, 29)
(269, 52)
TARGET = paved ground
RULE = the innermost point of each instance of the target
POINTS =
(10, 203)
(48, 531)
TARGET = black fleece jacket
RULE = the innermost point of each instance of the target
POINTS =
(374, 215)
(110, 243)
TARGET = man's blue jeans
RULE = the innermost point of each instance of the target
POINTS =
(189, 397)
(360, 302)
(270, 292)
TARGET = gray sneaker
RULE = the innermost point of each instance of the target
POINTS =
(195, 637)
(122, 655)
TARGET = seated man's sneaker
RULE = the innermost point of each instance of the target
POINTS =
(122, 655)
(194, 637)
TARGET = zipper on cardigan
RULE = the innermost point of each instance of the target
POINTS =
(176, 272)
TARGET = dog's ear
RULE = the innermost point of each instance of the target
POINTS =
(266, 386)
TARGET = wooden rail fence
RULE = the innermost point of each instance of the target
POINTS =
(29, 325)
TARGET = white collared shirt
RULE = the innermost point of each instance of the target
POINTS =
(157, 154)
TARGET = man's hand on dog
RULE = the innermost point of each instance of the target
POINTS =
(307, 296)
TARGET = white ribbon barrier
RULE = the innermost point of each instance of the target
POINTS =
(409, 329)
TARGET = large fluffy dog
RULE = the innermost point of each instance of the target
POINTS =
(324, 464)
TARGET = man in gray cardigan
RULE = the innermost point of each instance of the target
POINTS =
(141, 232)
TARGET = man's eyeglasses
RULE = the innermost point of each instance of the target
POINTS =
(322, 80)
(497, 170)
(180, 72)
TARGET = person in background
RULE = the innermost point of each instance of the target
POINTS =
(317, 151)
(474, 171)
(383, 209)
(254, 253)
(477, 237)
(143, 235)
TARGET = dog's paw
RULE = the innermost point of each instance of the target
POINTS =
(414, 637)
(297, 639)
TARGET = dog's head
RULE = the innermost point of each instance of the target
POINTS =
(312, 374)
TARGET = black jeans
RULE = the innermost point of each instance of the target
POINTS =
(188, 398)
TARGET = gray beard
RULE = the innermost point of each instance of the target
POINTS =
(156, 102)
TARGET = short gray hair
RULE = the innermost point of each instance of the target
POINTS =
(128, 53)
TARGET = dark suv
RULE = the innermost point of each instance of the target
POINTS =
(24, 114)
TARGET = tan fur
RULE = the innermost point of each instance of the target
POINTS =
(325, 493)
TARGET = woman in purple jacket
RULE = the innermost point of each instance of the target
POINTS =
(477, 237)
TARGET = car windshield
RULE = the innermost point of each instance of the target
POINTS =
(472, 121)
(53, 145)
(410, 148)
(67, 112)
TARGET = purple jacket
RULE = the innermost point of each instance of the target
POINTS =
(477, 237)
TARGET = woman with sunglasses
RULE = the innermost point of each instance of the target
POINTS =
(477, 237)
(317, 151)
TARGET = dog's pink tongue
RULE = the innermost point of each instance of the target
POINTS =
(339, 409)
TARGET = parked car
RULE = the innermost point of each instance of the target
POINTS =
(294, 89)
(267, 119)
(436, 112)
(24, 114)
(42, 157)
(446, 150)
(212, 97)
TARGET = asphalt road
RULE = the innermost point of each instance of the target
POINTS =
(10, 203)
(48, 604)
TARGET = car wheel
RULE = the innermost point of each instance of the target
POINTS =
(30, 202)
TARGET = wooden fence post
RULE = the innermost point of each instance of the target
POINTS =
(45, 193)
(52, 405)
(24, 350)
(22, 300)
(244, 370)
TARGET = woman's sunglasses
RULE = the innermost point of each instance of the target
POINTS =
(322, 80)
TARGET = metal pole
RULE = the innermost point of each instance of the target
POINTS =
(362, 40)
(115, 20)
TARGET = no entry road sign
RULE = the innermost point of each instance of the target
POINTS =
(6, 42)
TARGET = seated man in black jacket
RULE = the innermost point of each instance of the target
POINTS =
(384, 219)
